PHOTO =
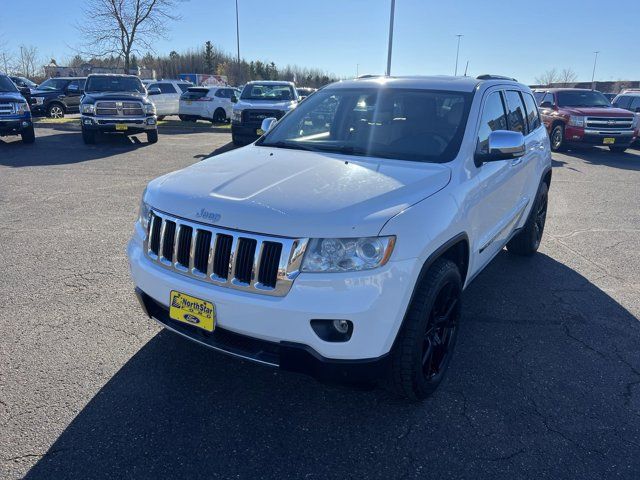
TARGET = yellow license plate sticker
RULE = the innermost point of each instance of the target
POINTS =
(193, 311)
(608, 141)
(121, 127)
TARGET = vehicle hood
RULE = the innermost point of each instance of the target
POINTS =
(114, 96)
(296, 193)
(260, 104)
(597, 112)
(11, 97)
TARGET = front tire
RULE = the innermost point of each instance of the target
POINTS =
(89, 137)
(618, 149)
(219, 116)
(426, 340)
(152, 136)
(557, 139)
(527, 241)
(28, 135)
(55, 110)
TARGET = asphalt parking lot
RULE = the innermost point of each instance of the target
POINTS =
(545, 382)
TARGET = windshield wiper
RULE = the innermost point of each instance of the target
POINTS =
(290, 145)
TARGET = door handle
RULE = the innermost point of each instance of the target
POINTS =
(516, 161)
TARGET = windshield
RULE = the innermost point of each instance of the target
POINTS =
(582, 98)
(27, 82)
(6, 85)
(114, 84)
(53, 84)
(418, 125)
(274, 93)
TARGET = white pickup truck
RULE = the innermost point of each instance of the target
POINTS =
(340, 243)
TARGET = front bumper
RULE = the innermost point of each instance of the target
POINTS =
(14, 124)
(597, 137)
(375, 301)
(246, 130)
(109, 124)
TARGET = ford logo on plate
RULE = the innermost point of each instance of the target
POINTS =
(191, 318)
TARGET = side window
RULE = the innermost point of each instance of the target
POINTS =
(538, 96)
(635, 104)
(184, 86)
(493, 118)
(515, 112)
(220, 93)
(153, 85)
(548, 98)
(167, 88)
(533, 118)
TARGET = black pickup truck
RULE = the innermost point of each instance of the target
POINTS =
(117, 103)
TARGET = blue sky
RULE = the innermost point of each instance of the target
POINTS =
(521, 39)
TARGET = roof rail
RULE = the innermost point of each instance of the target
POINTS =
(368, 75)
(494, 77)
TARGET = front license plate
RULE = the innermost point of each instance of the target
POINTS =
(121, 127)
(193, 311)
(259, 132)
(608, 141)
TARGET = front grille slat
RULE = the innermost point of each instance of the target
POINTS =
(222, 257)
(121, 109)
(609, 123)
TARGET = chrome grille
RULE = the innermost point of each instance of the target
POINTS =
(609, 123)
(126, 109)
(7, 108)
(257, 116)
(244, 261)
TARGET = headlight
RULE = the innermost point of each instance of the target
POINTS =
(88, 109)
(636, 121)
(39, 100)
(236, 116)
(145, 211)
(22, 107)
(150, 108)
(347, 254)
(576, 121)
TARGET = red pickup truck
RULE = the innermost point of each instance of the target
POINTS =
(580, 116)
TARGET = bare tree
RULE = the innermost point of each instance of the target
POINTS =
(28, 60)
(548, 77)
(5, 56)
(125, 27)
(567, 77)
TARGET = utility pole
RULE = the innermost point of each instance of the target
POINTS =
(237, 31)
(393, 8)
(457, 54)
(593, 75)
(357, 70)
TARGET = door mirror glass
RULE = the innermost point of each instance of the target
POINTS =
(154, 91)
(503, 145)
(268, 123)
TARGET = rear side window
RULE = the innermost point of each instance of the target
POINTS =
(635, 104)
(166, 88)
(184, 86)
(623, 101)
(493, 118)
(195, 93)
(515, 112)
(533, 119)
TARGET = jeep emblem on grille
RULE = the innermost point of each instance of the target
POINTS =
(209, 216)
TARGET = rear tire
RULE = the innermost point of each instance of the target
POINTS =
(88, 136)
(152, 136)
(527, 241)
(557, 139)
(618, 149)
(55, 110)
(426, 340)
(219, 116)
(28, 135)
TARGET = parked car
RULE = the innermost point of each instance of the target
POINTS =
(206, 103)
(575, 116)
(260, 100)
(630, 100)
(23, 82)
(117, 103)
(341, 249)
(58, 96)
(168, 100)
(15, 114)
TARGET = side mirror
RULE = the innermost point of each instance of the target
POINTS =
(24, 91)
(268, 123)
(154, 91)
(234, 99)
(546, 104)
(502, 145)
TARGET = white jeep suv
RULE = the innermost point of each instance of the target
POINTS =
(339, 244)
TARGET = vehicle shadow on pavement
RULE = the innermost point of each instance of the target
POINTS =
(223, 149)
(54, 149)
(629, 160)
(544, 383)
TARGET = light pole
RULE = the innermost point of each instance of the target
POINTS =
(237, 31)
(457, 54)
(393, 8)
(593, 75)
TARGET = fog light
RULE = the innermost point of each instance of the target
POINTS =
(333, 330)
(87, 121)
(25, 124)
(151, 121)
